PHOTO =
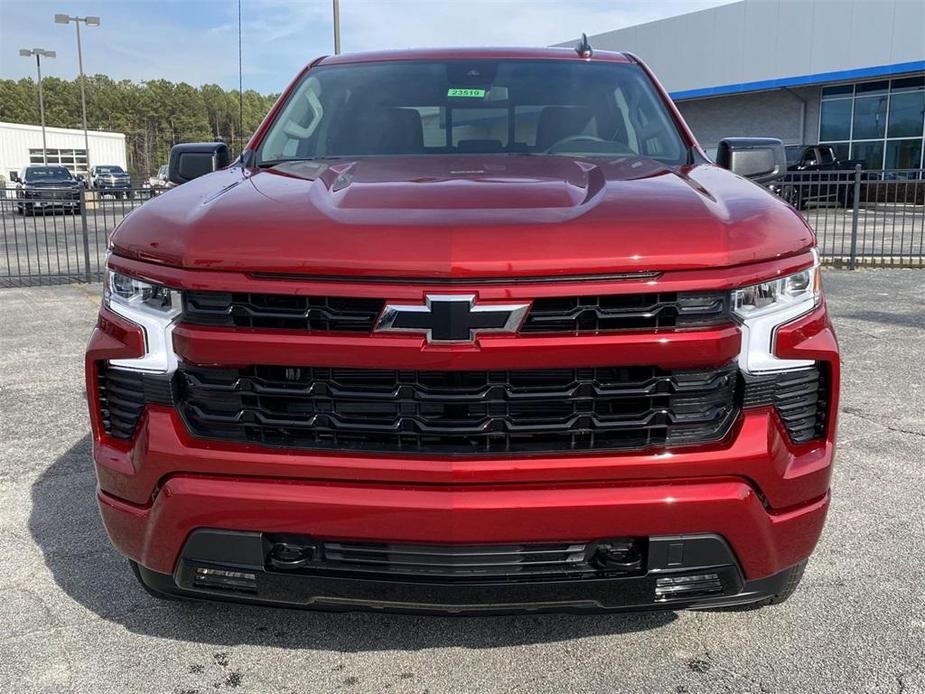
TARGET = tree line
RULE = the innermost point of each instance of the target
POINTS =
(154, 115)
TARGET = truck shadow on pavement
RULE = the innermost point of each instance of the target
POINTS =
(65, 524)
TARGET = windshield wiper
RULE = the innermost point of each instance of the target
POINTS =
(269, 163)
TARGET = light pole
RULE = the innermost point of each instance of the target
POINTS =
(40, 53)
(90, 22)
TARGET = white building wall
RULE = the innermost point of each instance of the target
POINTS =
(757, 40)
(16, 139)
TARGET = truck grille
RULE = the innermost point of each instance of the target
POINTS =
(324, 313)
(801, 399)
(458, 412)
(589, 314)
(560, 315)
(122, 400)
(123, 394)
(478, 562)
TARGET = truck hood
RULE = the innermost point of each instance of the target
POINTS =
(463, 216)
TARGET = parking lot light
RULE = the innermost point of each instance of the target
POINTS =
(90, 22)
(40, 53)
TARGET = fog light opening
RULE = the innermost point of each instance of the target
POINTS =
(222, 579)
(690, 586)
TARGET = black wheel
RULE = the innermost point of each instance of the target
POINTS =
(118, 196)
(130, 194)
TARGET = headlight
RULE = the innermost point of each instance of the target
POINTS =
(137, 293)
(761, 308)
(152, 306)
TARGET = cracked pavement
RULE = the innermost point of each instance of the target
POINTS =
(74, 620)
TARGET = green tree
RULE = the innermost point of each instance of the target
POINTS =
(154, 115)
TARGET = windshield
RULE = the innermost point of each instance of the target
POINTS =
(109, 170)
(474, 107)
(48, 173)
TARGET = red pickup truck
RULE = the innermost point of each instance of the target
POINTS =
(467, 331)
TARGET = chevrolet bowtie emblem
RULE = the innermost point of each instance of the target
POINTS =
(451, 318)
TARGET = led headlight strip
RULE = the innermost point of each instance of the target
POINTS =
(762, 308)
(156, 309)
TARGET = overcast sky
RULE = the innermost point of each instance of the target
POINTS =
(195, 41)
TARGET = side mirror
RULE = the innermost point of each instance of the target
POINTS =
(761, 159)
(195, 159)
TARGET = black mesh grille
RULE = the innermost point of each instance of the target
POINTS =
(800, 398)
(472, 563)
(122, 400)
(587, 314)
(465, 412)
(568, 315)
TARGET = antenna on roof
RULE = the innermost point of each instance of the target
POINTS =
(584, 49)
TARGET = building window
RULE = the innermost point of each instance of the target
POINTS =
(880, 123)
(74, 160)
(836, 120)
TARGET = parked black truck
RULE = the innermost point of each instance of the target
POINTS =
(815, 174)
(41, 188)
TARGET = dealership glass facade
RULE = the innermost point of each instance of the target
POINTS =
(881, 123)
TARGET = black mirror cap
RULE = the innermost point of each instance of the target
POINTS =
(760, 159)
(194, 159)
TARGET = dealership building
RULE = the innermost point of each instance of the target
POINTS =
(848, 73)
(21, 145)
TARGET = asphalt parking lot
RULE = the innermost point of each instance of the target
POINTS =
(74, 620)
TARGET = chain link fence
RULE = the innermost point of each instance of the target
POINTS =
(861, 218)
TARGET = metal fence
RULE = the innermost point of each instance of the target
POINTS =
(870, 218)
(59, 235)
(861, 218)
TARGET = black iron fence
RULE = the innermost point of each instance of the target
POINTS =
(861, 218)
(59, 235)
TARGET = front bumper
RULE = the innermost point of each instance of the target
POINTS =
(765, 496)
(699, 570)
(50, 197)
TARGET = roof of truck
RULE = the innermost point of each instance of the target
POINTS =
(471, 54)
